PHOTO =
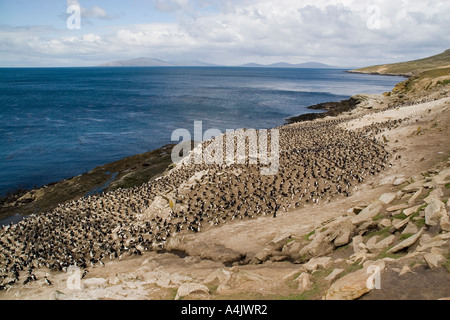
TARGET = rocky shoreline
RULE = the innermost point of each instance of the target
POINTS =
(390, 222)
(125, 173)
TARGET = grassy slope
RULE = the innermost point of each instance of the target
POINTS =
(410, 68)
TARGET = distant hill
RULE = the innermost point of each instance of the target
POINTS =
(410, 68)
(152, 62)
(138, 62)
(192, 63)
(288, 65)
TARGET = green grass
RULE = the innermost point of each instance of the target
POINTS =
(379, 217)
(384, 254)
(420, 223)
(416, 66)
(406, 236)
(447, 185)
(401, 216)
(382, 233)
(306, 236)
(447, 263)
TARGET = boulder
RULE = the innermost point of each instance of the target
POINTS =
(414, 187)
(189, 288)
(434, 211)
(410, 228)
(349, 287)
(367, 213)
(415, 196)
(380, 245)
(387, 198)
(397, 207)
(399, 181)
(436, 193)
(401, 224)
(434, 259)
(304, 282)
(445, 223)
(334, 274)
(404, 270)
(220, 276)
(345, 233)
(321, 244)
(385, 223)
(410, 211)
(316, 263)
(357, 240)
(406, 243)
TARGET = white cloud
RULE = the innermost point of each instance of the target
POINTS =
(95, 12)
(330, 31)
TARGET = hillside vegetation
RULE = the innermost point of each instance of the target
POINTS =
(425, 76)
(410, 68)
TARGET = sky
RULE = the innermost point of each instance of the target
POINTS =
(347, 33)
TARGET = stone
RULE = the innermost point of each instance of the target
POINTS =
(355, 243)
(401, 224)
(387, 180)
(321, 244)
(380, 245)
(444, 222)
(221, 275)
(406, 243)
(334, 274)
(415, 196)
(404, 270)
(367, 213)
(189, 288)
(434, 211)
(434, 259)
(399, 181)
(385, 223)
(263, 255)
(304, 282)
(425, 238)
(442, 177)
(315, 263)
(397, 207)
(411, 210)
(95, 283)
(350, 287)
(436, 193)
(344, 234)
(410, 228)
(414, 187)
(387, 198)
(370, 244)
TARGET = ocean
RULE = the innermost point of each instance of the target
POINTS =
(56, 123)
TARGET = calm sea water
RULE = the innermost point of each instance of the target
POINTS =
(61, 122)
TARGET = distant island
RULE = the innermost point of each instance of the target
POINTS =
(152, 62)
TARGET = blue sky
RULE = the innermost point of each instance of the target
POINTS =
(229, 32)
